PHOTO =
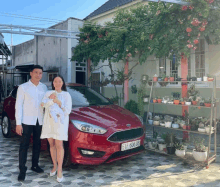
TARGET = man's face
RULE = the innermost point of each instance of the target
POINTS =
(36, 74)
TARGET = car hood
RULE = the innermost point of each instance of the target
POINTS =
(107, 116)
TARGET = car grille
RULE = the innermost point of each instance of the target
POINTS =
(125, 153)
(126, 135)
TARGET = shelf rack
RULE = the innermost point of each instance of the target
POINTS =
(211, 157)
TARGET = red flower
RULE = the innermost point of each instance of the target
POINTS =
(211, 1)
(195, 22)
(189, 45)
(188, 41)
(188, 29)
(191, 7)
(199, 34)
(184, 7)
(196, 41)
(204, 23)
(202, 29)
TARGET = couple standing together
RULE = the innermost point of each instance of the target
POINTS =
(32, 98)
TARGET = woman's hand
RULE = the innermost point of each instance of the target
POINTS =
(58, 102)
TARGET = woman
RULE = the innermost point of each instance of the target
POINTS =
(56, 132)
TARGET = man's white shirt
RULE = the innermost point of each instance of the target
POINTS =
(28, 103)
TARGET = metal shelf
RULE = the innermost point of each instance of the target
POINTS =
(190, 131)
(178, 105)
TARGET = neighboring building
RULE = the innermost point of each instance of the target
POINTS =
(54, 54)
(204, 60)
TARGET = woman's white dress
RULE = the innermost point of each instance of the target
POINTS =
(50, 128)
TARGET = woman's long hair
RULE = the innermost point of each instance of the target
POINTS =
(64, 84)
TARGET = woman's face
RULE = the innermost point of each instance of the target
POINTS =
(58, 83)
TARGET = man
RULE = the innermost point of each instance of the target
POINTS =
(29, 119)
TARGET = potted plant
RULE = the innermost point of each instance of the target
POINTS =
(208, 102)
(165, 78)
(166, 99)
(210, 77)
(188, 101)
(144, 79)
(202, 102)
(205, 78)
(159, 100)
(150, 82)
(156, 120)
(199, 153)
(182, 101)
(178, 78)
(150, 121)
(199, 78)
(146, 98)
(134, 89)
(155, 78)
(194, 78)
(162, 143)
(185, 143)
(175, 125)
(180, 151)
(168, 121)
(194, 100)
(162, 123)
(194, 124)
(209, 128)
(171, 78)
(176, 96)
(186, 119)
(170, 141)
(155, 100)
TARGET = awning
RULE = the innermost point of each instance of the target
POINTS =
(4, 50)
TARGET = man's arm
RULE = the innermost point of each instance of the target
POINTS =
(19, 110)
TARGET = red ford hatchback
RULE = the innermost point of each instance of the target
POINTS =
(99, 131)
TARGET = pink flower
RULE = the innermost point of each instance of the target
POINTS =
(195, 22)
(191, 7)
(194, 48)
(129, 54)
(189, 45)
(196, 41)
(188, 29)
(202, 29)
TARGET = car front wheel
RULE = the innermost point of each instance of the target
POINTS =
(6, 126)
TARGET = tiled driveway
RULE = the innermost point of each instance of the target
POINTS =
(146, 169)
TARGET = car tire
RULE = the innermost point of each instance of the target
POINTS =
(6, 126)
(66, 159)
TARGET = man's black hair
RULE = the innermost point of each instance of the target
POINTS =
(36, 67)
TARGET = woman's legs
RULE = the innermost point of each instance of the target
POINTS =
(53, 153)
(60, 155)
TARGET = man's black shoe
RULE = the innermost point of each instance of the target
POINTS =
(21, 176)
(37, 169)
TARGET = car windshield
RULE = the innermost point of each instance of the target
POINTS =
(85, 96)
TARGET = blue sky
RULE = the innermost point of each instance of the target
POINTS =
(55, 9)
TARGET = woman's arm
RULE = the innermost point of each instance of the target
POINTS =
(46, 100)
(67, 105)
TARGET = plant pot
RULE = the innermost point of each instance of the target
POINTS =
(207, 104)
(155, 79)
(205, 78)
(162, 124)
(150, 145)
(175, 125)
(180, 153)
(199, 79)
(150, 122)
(159, 100)
(159, 79)
(171, 150)
(200, 156)
(146, 99)
(207, 129)
(154, 100)
(188, 103)
(156, 122)
(166, 79)
(201, 129)
(150, 83)
(171, 79)
(210, 79)
(168, 124)
(162, 146)
(183, 103)
(176, 102)
(194, 102)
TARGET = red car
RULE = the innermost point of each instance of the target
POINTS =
(99, 131)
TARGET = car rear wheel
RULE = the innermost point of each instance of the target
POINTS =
(66, 159)
(6, 126)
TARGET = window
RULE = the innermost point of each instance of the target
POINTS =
(51, 76)
(200, 59)
(162, 67)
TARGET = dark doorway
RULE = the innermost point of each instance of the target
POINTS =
(81, 77)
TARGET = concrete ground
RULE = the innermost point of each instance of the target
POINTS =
(146, 169)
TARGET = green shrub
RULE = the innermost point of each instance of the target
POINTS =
(132, 106)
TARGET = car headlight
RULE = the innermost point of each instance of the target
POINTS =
(88, 128)
(140, 118)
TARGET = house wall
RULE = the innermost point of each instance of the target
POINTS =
(24, 53)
